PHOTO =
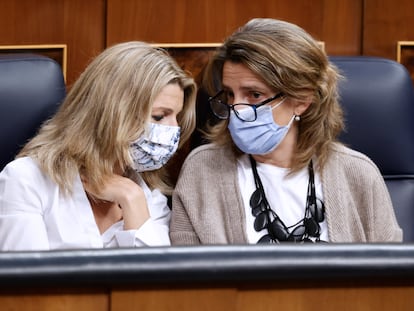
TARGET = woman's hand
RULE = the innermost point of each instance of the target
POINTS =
(125, 193)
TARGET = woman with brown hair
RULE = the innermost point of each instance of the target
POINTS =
(274, 171)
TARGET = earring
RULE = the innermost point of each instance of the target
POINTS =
(297, 118)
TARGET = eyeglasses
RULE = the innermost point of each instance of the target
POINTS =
(221, 109)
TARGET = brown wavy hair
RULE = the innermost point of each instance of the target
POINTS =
(288, 60)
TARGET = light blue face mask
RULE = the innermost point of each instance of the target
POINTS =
(260, 136)
(155, 147)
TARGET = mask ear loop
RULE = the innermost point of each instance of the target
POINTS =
(279, 103)
(294, 117)
(291, 120)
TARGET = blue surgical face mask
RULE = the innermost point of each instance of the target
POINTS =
(260, 136)
(155, 147)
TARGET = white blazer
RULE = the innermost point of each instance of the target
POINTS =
(35, 215)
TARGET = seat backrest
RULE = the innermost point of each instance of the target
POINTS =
(31, 89)
(378, 100)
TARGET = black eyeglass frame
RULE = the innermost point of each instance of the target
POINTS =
(231, 107)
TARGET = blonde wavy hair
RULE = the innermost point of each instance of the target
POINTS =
(288, 60)
(106, 109)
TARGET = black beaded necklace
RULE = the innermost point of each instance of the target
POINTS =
(305, 229)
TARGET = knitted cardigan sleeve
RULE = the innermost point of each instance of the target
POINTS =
(207, 206)
(357, 201)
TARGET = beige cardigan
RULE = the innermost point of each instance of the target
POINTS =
(207, 206)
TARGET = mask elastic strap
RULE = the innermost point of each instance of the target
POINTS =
(291, 120)
(279, 103)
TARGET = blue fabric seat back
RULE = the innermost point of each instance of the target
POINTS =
(378, 101)
(31, 89)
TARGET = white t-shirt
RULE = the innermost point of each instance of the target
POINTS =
(285, 194)
(35, 215)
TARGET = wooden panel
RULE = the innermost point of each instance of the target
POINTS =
(342, 27)
(184, 299)
(337, 23)
(307, 298)
(79, 24)
(84, 33)
(329, 298)
(385, 23)
(53, 300)
(240, 298)
(31, 22)
(405, 56)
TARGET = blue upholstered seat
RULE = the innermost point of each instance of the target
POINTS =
(378, 99)
(31, 89)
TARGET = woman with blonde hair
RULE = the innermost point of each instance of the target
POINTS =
(93, 176)
(275, 171)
